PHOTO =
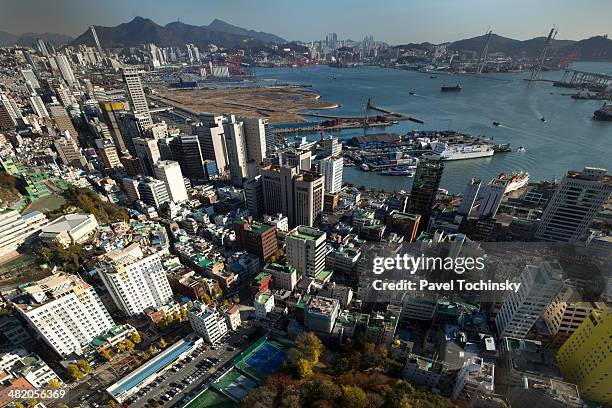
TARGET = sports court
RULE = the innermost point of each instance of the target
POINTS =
(264, 357)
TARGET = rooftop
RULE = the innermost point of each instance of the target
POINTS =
(322, 305)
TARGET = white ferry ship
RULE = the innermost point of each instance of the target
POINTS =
(443, 151)
(518, 179)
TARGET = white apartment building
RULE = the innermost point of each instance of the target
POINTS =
(235, 143)
(306, 250)
(283, 276)
(19, 363)
(170, 173)
(320, 314)
(207, 322)
(576, 201)
(539, 286)
(264, 304)
(64, 311)
(135, 280)
(331, 168)
(15, 228)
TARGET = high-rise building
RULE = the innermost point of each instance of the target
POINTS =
(38, 106)
(111, 112)
(170, 173)
(62, 93)
(570, 211)
(65, 69)
(62, 119)
(425, 187)
(256, 238)
(331, 168)
(108, 153)
(92, 29)
(212, 143)
(30, 77)
(585, 358)
(298, 159)
(308, 198)
(277, 183)
(306, 250)
(235, 143)
(153, 192)
(493, 196)
(539, 286)
(15, 228)
(148, 153)
(332, 147)
(255, 135)
(131, 77)
(253, 192)
(469, 197)
(69, 152)
(186, 150)
(64, 311)
(8, 116)
(135, 280)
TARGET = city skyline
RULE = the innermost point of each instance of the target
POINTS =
(392, 21)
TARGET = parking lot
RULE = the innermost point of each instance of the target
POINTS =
(192, 374)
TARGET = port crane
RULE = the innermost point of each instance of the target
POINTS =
(569, 58)
(483, 54)
(535, 71)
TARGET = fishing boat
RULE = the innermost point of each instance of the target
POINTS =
(496, 123)
(451, 88)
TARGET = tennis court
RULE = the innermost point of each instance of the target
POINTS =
(267, 359)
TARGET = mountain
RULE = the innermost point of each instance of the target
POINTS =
(591, 49)
(220, 25)
(26, 39)
(143, 30)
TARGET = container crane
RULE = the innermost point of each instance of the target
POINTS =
(535, 71)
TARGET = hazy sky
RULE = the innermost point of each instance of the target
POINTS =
(394, 21)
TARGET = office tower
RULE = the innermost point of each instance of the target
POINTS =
(65, 69)
(64, 311)
(131, 77)
(207, 322)
(62, 119)
(153, 192)
(257, 238)
(41, 47)
(425, 187)
(236, 151)
(474, 378)
(255, 135)
(493, 195)
(96, 41)
(277, 183)
(135, 280)
(15, 228)
(170, 173)
(539, 286)
(307, 198)
(108, 153)
(187, 152)
(306, 250)
(578, 198)
(331, 168)
(212, 143)
(8, 116)
(30, 78)
(148, 153)
(299, 159)
(585, 358)
(111, 112)
(69, 152)
(253, 192)
(332, 147)
(38, 106)
(469, 197)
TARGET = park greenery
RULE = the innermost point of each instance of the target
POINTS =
(359, 381)
(90, 202)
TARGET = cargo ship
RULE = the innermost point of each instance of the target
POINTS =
(399, 171)
(451, 88)
(603, 113)
(518, 179)
(443, 151)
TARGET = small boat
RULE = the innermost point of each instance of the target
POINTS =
(411, 93)
(451, 88)
(496, 123)
(432, 76)
(364, 167)
(542, 119)
(521, 149)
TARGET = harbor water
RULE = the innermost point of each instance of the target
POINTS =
(568, 139)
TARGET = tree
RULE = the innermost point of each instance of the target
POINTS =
(84, 366)
(217, 292)
(162, 343)
(176, 317)
(183, 313)
(310, 346)
(152, 350)
(19, 405)
(135, 337)
(106, 355)
(129, 344)
(75, 373)
(54, 383)
(304, 368)
(32, 402)
(120, 347)
(354, 397)
(206, 299)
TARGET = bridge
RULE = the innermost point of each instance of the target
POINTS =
(581, 79)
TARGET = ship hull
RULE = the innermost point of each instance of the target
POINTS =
(460, 156)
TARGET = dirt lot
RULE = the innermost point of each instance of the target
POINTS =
(279, 104)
